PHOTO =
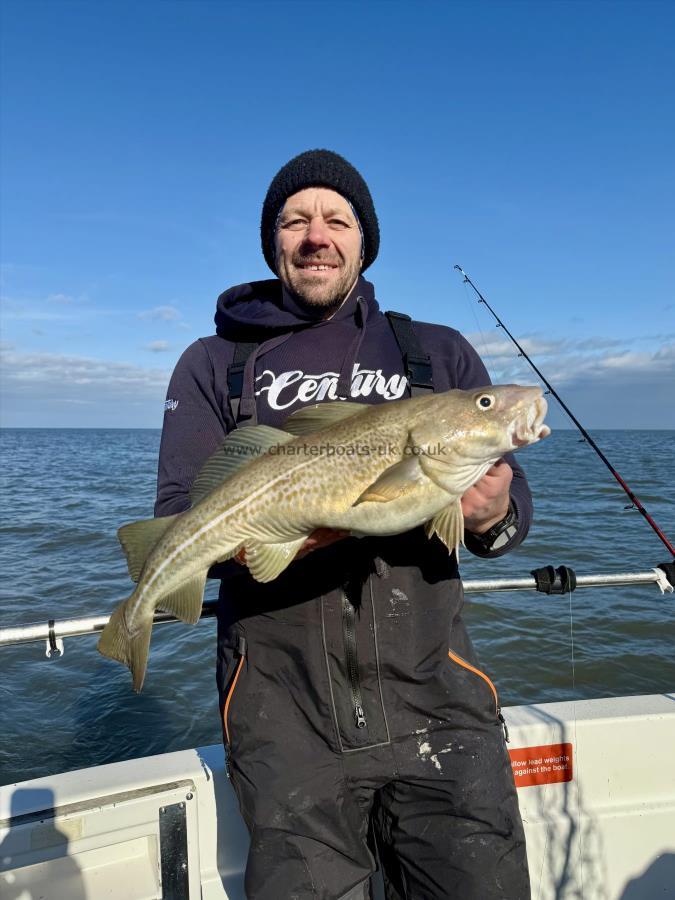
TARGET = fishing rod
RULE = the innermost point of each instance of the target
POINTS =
(551, 390)
(546, 580)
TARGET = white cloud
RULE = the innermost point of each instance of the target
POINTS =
(629, 367)
(666, 352)
(21, 311)
(48, 389)
(63, 299)
(161, 313)
(59, 371)
(607, 383)
(500, 348)
(567, 361)
(52, 308)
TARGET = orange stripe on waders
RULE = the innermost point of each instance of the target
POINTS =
(229, 696)
(465, 665)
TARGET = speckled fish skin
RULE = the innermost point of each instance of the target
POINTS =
(382, 471)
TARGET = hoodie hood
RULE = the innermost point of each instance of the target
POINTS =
(261, 310)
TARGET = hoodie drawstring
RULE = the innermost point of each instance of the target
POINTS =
(247, 405)
(344, 385)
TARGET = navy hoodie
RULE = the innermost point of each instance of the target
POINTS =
(300, 359)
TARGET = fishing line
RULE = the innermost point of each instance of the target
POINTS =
(575, 757)
(635, 503)
(486, 356)
(486, 353)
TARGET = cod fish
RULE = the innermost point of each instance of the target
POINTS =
(369, 470)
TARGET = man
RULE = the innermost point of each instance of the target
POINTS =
(356, 720)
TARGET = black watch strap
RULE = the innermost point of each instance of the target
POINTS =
(496, 537)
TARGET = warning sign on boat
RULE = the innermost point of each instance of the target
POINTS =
(547, 764)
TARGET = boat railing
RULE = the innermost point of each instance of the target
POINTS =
(547, 580)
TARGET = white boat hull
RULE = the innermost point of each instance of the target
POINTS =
(600, 827)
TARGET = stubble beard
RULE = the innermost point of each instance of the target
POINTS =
(312, 293)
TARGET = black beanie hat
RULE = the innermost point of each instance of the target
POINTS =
(320, 168)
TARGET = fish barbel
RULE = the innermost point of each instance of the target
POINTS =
(370, 470)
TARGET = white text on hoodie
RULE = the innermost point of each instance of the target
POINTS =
(296, 386)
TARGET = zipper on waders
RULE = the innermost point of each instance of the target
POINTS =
(351, 659)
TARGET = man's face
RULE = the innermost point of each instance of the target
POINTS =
(318, 247)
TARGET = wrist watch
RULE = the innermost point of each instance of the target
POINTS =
(496, 537)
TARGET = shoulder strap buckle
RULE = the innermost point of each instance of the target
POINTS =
(416, 362)
(419, 371)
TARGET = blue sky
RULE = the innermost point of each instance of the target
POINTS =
(530, 142)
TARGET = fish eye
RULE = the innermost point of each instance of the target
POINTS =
(485, 401)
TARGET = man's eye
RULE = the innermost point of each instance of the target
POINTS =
(338, 223)
(295, 224)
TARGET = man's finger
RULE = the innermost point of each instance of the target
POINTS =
(322, 537)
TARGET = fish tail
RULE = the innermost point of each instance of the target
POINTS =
(119, 642)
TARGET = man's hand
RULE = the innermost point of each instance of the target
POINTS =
(322, 537)
(487, 502)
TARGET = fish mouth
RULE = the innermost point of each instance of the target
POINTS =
(529, 426)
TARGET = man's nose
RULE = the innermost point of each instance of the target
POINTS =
(317, 233)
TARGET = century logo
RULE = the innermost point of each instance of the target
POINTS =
(296, 386)
(170, 405)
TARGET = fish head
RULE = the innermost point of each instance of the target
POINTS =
(463, 432)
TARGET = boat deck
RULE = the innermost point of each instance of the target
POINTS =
(596, 784)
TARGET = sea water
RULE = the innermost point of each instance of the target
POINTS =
(66, 491)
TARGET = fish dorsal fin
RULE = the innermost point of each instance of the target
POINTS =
(138, 539)
(240, 447)
(394, 482)
(321, 415)
(448, 524)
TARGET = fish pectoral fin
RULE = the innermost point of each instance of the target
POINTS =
(185, 602)
(448, 524)
(321, 415)
(266, 561)
(138, 539)
(394, 482)
(238, 449)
